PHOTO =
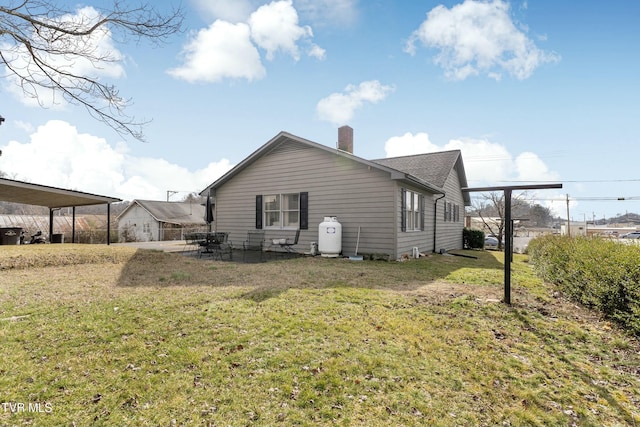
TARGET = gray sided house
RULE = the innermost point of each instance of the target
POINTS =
(292, 183)
(151, 220)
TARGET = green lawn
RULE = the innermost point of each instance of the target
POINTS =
(97, 335)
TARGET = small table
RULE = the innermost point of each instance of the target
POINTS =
(215, 243)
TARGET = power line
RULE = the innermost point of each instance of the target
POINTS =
(580, 181)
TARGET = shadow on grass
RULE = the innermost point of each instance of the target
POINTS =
(263, 280)
(555, 350)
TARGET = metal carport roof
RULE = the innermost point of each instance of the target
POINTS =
(51, 197)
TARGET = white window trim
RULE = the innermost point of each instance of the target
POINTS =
(281, 211)
(413, 207)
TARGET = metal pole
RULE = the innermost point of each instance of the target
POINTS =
(508, 248)
(509, 231)
(568, 219)
(73, 224)
(108, 223)
(50, 224)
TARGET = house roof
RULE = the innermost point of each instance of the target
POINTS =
(431, 167)
(179, 213)
(51, 197)
(285, 137)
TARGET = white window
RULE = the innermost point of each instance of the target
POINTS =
(272, 210)
(451, 212)
(447, 211)
(282, 210)
(413, 206)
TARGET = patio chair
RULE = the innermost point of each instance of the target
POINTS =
(216, 244)
(192, 243)
(254, 242)
(287, 244)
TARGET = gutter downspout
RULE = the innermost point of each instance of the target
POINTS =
(435, 220)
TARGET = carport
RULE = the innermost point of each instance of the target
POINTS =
(53, 198)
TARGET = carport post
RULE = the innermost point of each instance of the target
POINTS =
(73, 224)
(108, 223)
(50, 223)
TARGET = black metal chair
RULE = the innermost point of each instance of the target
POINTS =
(192, 242)
(287, 244)
(216, 244)
(254, 243)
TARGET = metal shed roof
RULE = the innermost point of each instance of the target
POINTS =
(51, 197)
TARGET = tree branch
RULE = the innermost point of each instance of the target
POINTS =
(48, 43)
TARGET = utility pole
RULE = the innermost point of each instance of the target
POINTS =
(170, 193)
(568, 218)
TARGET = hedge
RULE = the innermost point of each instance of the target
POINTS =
(473, 239)
(598, 273)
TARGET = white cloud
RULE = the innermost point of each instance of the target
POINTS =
(478, 37)
(223, 50)
(531, 168)
(84, 162)
(317, 52)
(409, 144)
(485, 162)
(275, 27)
(98, 44)
(228, 50)
(339, 108)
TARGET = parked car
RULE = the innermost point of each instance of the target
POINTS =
(632, 235)
(490, 242)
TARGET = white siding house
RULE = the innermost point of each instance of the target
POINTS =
(291, 183)
(151, 220)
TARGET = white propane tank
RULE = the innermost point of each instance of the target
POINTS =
(330, 237)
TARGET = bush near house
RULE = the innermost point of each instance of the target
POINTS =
(473, 239)
(595, 272)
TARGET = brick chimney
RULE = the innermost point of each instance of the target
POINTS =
(345, 139)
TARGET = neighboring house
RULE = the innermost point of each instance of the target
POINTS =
(398, 203)
(151, 220)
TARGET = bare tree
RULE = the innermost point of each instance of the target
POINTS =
(47, 48)
(491, 210)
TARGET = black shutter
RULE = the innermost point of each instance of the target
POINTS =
(304, 211)
(422, 209)
(403, 208)
(259, 212)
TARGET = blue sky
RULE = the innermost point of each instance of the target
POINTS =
(530, 91)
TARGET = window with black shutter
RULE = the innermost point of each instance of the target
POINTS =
(403, 209)
(304, 211)
(259, 212)
(286, 211)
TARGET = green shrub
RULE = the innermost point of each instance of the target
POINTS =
(473, 239)
(598, 273)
